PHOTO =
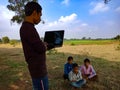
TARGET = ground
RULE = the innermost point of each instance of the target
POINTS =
(14, 74)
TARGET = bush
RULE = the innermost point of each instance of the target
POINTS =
(72, 44)
(118, 47)
(5, 40)
(13, 42)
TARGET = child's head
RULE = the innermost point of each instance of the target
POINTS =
(86, 62)
(75, 68)
(70, 59)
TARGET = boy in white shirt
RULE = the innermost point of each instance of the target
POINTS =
(75, 77)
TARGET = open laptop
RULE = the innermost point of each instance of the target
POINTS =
(54, 38)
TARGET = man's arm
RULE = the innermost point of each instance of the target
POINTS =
(34, 40)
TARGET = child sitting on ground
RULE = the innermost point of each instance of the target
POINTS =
(68, 67)
(88, 71)
(75, 77)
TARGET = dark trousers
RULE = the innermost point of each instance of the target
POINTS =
(40, 83)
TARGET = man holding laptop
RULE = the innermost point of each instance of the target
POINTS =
(34, 48)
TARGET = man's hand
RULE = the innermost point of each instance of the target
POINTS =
(46, 44)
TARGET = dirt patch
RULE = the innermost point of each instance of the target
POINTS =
(108, 52)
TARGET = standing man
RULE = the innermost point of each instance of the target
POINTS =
(33, 47)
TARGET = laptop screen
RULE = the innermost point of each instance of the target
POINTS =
(54, 38)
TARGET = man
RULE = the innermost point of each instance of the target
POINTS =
(33, 47)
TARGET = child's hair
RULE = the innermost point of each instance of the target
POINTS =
(70, 58)
(74, 65)
(86, 60)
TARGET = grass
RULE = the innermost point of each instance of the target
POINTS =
(14, 74)
(89, 42)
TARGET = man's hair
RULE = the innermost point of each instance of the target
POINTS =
(70, 58)
(86, 60)
(74, 65)
(31, 6)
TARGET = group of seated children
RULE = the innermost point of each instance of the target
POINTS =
(78, 75)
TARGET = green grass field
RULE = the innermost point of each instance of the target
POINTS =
(88, 42)
(14, 74)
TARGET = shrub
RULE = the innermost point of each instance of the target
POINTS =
(5, 40)
(13, 42)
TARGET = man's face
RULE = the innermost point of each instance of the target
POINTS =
(37, 17)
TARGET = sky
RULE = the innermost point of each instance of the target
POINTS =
(79, 18)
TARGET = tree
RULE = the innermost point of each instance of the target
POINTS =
(89, 38)
(5, 40)
(0, 40)
(83, 38)
(117, 37)
(17, 6)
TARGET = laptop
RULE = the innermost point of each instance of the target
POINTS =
(54, 38)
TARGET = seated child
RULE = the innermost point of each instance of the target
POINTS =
(68, 67)
(88, 71)
(75, 77)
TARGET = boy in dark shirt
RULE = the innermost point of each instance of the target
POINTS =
(33, 47)
(68, 67)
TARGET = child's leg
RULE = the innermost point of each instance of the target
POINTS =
(94, 78)
(79, 83)
(82, 82)
(65, 76)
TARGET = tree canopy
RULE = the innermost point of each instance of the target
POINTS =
(5, 40)
(17, 6)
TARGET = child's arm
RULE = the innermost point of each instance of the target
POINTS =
(65, 69)
(93, 73)
(71, 77)
(82, 70)
(80, 76)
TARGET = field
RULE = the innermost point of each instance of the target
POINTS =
(104, 57)
(89, 42)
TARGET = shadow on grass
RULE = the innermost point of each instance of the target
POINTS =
(14, 74)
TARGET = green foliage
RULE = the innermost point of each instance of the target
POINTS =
(5, 40)
(72, 44)
(17, 6)
(52, 51)
(13, 42)
(88, 42)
